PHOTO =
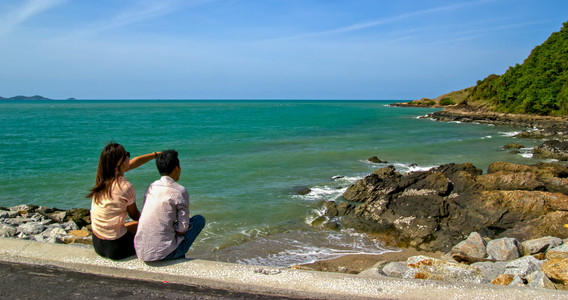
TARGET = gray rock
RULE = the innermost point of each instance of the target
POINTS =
(70, 226)
(473, 246)
(7, 230)
(38, 237)
(54, 232)
(538, 279)
(558, 252)
(31, 228)
(23, 236)
(375, 271)
(13, 214)
(60, 215)
(503, 249)
(517, 281)
(4, 214)
(54, 240)
(540, 245)
(431, 268)
(17, 221)
(399, 270)
(491, 270)
(36, 217)
(523, 266)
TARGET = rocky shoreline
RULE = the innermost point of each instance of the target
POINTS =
(538, 263)
(46, 224)
(434, 210)
(537, 127)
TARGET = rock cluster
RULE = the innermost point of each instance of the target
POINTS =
(46, 224)
(434, 210)
(554, 149)
(549, 126)
(540, 263)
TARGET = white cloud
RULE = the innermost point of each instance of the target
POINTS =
(20, 14)
(365, 25)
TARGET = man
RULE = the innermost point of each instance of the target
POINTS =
(165, 230)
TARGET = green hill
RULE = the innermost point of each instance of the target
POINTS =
(538, 86)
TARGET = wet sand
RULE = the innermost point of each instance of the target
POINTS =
(354, 264)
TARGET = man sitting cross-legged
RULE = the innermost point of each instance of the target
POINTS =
(165, 230)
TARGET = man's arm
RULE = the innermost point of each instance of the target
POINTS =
(182, 213)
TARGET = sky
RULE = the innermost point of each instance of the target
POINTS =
(264, 49)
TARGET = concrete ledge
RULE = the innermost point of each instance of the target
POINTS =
(257, 279)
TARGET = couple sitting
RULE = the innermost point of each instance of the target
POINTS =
(164, 229)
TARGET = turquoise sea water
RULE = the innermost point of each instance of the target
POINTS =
(242, 162)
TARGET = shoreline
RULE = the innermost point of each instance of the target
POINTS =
(356, 263)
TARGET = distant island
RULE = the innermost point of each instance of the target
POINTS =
(538, 86)
(36, 97)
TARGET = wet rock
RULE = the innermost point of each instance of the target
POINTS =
(344, 208)
(503, 249)
(513, 146)
(540, 245)
(436, 209)
(331, 209)
(375, 160)
(559, 252)
(511, 181)
(318, 221)
(552, 149)
(300, 190)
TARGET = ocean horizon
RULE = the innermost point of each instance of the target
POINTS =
(243, 162)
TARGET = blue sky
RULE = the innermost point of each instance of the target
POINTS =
(264, 49)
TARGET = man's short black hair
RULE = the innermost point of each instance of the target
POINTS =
(167, 161)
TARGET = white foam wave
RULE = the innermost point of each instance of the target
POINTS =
(406, 168)
(509, 134)
(527, 154)
(328, 193)
(487, 137)
(310, 247)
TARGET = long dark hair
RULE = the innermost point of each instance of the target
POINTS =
(108, 171)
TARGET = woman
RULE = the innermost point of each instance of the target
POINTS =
(112, 197)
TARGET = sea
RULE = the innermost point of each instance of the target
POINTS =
(243, 162)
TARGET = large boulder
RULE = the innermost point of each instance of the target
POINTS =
(436, 209)
(557, 271)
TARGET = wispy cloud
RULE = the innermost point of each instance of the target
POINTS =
(24, 12)
(141, 12)
(378, 22)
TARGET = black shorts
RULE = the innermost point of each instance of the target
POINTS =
(120, 248)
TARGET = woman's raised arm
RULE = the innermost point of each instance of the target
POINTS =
(142, 159)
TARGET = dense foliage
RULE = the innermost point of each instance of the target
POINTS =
(447, 101)
(538, 86)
